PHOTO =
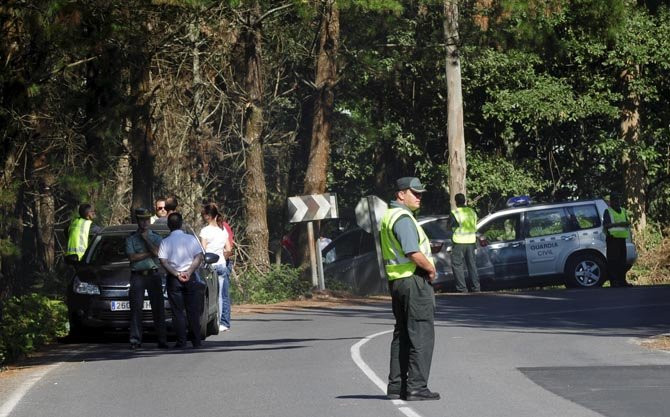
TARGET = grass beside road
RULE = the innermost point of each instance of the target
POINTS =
(653, 263)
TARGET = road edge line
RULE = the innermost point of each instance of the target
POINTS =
(372, 376)
(15, 397)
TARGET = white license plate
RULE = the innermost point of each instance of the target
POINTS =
(125, 305)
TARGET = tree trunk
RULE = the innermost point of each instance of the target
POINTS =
(119, 209)
(255, 191)
(326, 78)
(455, 133)
(142, 142)
(635, 170)
(44, 210)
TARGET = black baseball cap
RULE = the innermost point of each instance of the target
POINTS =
(411, 183)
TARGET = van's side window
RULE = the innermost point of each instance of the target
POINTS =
(585, 217)
(546, 222)
(502, 229)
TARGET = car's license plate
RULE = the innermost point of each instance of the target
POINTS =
(125, 305)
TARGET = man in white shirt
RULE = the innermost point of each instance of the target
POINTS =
(181, 255)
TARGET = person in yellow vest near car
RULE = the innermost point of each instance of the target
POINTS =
(79, 231)
(463, 222)
(410, 270)
(616, 225)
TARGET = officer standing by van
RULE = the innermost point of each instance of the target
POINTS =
(410, 269)
(616, 224)
(463, 222)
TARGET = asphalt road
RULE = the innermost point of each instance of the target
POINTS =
(546, 353)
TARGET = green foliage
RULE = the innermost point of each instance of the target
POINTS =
(280, 283)
(492, 179)
(29, 322)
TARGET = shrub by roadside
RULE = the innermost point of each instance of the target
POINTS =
(28, 322)
(280, 283)
(653, 263)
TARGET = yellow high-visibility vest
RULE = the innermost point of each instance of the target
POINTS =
(618, 232)
(466, 232)
(77, 241)
(397, 265)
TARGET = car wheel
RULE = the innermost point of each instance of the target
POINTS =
(203, 318)
(585, 271)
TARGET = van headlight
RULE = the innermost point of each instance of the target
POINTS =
(85, 287)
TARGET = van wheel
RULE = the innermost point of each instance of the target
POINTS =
(585, 271)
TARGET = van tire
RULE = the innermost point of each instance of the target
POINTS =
(585, 270)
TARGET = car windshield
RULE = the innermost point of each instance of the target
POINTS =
(110, 249)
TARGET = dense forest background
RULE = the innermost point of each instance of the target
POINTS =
(248, 102)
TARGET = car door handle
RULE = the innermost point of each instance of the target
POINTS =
(515, 244)
(568, 237)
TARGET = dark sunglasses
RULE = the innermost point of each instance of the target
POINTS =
(160, 208)
(417, 195)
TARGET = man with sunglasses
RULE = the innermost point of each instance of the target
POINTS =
(410, 270)
(170, 205)
(160, 210)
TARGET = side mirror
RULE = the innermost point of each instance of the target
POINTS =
(211, 258)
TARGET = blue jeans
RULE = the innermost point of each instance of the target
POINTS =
(224, 297)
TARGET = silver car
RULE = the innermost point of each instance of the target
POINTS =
(549, 244)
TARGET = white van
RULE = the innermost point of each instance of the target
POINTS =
(548, 244)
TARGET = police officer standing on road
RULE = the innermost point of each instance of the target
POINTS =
(410, 270)
(181, 255)
(463, 221)
(142, 250)
(616, 224)
(79, 231)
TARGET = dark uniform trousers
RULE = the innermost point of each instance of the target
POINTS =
(413, 301)
(616, 260)
(463, 254)
(186, 303)
(150, 281)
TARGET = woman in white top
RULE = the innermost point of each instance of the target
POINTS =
(215, 239)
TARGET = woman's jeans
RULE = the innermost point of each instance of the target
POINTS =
(224, 272)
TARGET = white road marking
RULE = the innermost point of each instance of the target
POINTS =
(372, 376)
(17, 395)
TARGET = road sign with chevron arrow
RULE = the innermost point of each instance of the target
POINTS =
(307, 208)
